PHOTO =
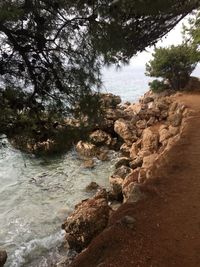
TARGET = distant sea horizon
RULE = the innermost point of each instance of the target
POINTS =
(129, 82)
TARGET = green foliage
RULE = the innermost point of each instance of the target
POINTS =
(192, 31)
(158, 86)
(174, 64)
(52, 52)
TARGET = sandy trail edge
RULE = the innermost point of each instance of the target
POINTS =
(167, 231)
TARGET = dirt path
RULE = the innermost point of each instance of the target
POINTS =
(167, 228)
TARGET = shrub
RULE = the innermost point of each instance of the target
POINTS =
(174, 64)
(158, 86)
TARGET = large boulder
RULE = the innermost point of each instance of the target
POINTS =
(125, 130)
(134, 108)
(86, 149)
(89, 218)
(175, 119)
(110, 100)
(116, 181)
(125, 149)
(123, 161)
(164, 134)
(134, 151)
(3, 257)
(149, 142)
(100, 137)
(132, 193)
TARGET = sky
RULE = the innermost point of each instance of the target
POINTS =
(174, 37)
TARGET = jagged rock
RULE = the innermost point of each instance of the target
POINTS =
(163, 115)
(115, 205)
(92, 186)
(88, 164)
(175, 119)
(151, 121)
(86, 149)
(125, 150)
(137, 162)
(149, 140)
(134, 108)
(122, 162)
(149, 161)
(132, 193)
(164, 134)
(130, 178)
(142, 175)
(125, 130)
(162, 104)
(173, 130)
(100, 137)
(103, 155)
(116, 180)
(147, 99)
(3, 257)
(134, 151)
(89, 218)
(153, 112)
(110, 100)
(141, 124)
(173, 107)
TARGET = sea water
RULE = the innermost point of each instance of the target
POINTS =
(37, 194)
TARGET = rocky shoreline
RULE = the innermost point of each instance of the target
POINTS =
(143, 133)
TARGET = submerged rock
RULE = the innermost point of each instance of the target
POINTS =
(92, 186)
(3, 257)
(86, 149)
(89, 218)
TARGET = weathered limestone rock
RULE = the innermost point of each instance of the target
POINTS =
(147, 99)
(151, 121)
(141, 124)
(3, 257)
(86, 149)
(116, 180)
(175, 119)
(124, 161)
(134, 108)
(92, 186)
(164, 134)
(173, 130)
(137, 162)
(89, 218)
(125, 150)
(100, 137)
(125, 130)
(103, 155)
(134, 151)
(132, 193)
(88, 163)
(110, 100)
(149, 141)
(130, 178)
(149, 161)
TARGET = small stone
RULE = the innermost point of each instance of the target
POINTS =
(103, 156)
(92, 186)
(3, 257)
(88, 164)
